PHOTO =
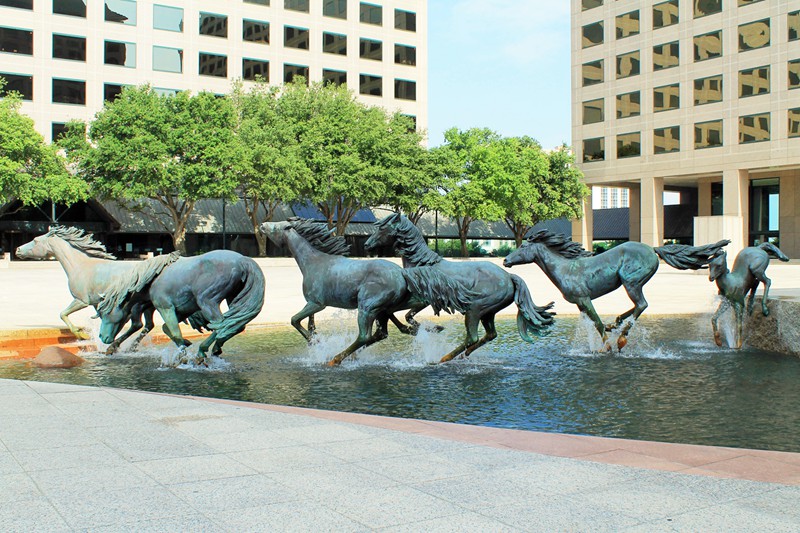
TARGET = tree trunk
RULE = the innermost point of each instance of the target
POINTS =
(463, 230)
(463, 238)
(179, 238)
(261, 240)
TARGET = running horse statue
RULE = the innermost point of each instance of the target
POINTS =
(191, 289)
(749, 268)
(376, 288)
(494, 289)
(92, 273)
(581, 277)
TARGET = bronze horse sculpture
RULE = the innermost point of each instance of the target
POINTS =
(192, 289)
(92, 273)
(749, 268)
(376, 288)
(581, 277)
(494, 289)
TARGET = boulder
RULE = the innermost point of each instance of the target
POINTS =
(56, 357)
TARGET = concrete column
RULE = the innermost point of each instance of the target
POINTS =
(582, 229)
(704, 198)
(635, 213)
(652, 211)
(736, 203)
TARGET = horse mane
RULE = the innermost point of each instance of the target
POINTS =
(409, 241)
(80, 240)
(319, 236)
(131, 281)
(559, 244)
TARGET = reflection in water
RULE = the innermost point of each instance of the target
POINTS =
(669, 384)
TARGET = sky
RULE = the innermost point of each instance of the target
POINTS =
(500, 64)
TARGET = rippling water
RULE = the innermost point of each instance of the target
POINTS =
(671, 383)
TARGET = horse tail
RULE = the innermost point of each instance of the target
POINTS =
(773, 250)
(440, 291)
(684, 257)
(246, 305)
(531, 319)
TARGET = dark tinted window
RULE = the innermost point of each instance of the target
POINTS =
(57, 129)
(336, 77)
(69, 92)
(68, 47)
(666, 97)
(254, 68)
(708, 46)
(666, 140)
(73, 8)
(754, 81)
(405, 89)
(592, 34)
(296, 5)
(629, 145)
(754, 35)
(405, 20)
(334, 43)
(706, 7)
(371, 14)
(255, 31)
(372, 85)
(335, 8)
(16, 41)
(295, 37)
(665, 14)
(213, 25)
(754, 128)
(21, 4)
(594, 149)
(708, 134)
(593, 73)
(17, 83)
(213, 65)
(666, 56)
(405, 55)
(290, 72)
(119, 53)
(370, 49)
(111, 91)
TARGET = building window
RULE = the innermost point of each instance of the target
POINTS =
(20, 83)
(748, 2)
(72, 8)
(667, 140)
(167, 59)
(296, 5)
(295, 37)
(629, 104)
(16, 41)
(794, 74)
(290, 72)
(69, 92)
(794, 122)
(119, 53)
(627, 24)
(593, 111)
(405, 20)
(708, 90)
(255, 69)
(69, 47)
(593, 73)
(255, 31)
(57, 129)
(665, 14)
(592, 34)
(372, 85)
(629, 145)
(708, 46)
(259, 2)
(335, 8)
(405, 90)
(212, 65)
(703, 8)
(334, 77)
(753, 81)
(594, 149)
(334, 43)
(708, 134)
(754, 128)
(754, 35)
(666, 56)
(111, 91)
(213, 25)
(793, 23)
(20, 4)
(628, 65)
(122, 11)
(666, 97)
(167, 18)
(590, 4)
(371, 14)
(405, 55)
(370, 49)
(161, 91)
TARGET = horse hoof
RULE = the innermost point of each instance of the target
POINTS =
(111, 350)
(438, 329)
(765, 311)
(332, 362)
(718, 339)
(81, 335)
(622, 341)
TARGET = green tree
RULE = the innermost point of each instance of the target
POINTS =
(418, 189)
(173, 150)
(31, 170)
(534, 186)
(474, 172)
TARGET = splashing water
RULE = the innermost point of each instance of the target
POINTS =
(586, 341)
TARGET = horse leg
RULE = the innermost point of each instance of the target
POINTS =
(586, 307)
(76, 305)
(204, 346)
(738, 309)
(767, 284)
(714, 327)
(366, 317)
(403, 328)
(471, 320)
(148, 326)
(489, 335)
(211, 312)
(136, 325)
(171, 327)
(312, 326)
(382, 331)
(308, 311)
(640, 304)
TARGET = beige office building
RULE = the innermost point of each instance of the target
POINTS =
(698, 96)
(67, 57)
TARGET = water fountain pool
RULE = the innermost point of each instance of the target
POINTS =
(670, 384)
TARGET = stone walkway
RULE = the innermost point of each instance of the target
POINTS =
(82, 458)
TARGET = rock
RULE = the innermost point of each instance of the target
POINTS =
(56, 357)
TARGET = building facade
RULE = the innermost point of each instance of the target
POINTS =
(699, 96)
(67, 57)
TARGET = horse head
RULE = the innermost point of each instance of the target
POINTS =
(39, 248)
(112, 320)
(275, 232)
(385, 232)
(718, 266)
(525, 254)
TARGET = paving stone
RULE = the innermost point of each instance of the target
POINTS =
(333, 481)
(199, 468)
(290, 516)
(94, 456)
(233, 493)
(286, 458)
(16, 488)
(89, 479)
(37, 515)
(9, 465)
(193, 522)
(465, 522)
